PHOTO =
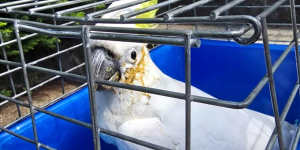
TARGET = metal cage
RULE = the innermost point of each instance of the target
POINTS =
(244, 29)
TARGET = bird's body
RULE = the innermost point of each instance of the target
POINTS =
(161, 120)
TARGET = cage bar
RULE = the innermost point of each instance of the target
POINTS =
(25, 74)
(187, 38)
(11, 80)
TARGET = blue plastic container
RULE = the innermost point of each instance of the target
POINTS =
(223, 69)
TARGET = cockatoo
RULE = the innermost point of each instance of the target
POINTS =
(161, 120)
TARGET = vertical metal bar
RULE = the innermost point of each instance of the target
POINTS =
(11, 80)
(16, 28)
(169, 8)
(293, 18)
(195, 15)
(227, 27)
(283, 115)
(59, 59)
(188, 92)
(271, 81)
(296, 139)
(91, 85)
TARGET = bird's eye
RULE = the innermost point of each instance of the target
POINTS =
(133, 55)
(110, 54)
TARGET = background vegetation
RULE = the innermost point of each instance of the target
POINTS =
(34, 48)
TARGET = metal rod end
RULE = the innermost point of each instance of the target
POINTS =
(213, 16)
(168, 17)
(196, 43)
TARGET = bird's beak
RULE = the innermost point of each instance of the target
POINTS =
(104, 66)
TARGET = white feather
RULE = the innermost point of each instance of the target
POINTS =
(161, 120)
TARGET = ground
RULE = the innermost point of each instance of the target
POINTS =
(41, 97)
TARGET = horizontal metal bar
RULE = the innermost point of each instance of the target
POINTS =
(221, 34)
(144, 89)
(15, 40)
(8, 9)
(141, 11)
(80, 8)
(14, 3)
(116, 84)
(215, 13)
(33, 14)
(32, 10)
(236, 34)
(271, 9)
(133, 140)
(254, 92)
(56, 54)
(296, 140)
(25, 138)
(217, 102)
(49, 80)
(45, 106)
(170, 15)
(119, 7)
(139, 31)
(87, 125)
(81, 123)
(28, 36)
(42, 59)
(247, 6)
(43, 83)
(73, 31)
(143, 39)
(10, 71)
(50, 32)
(117, 37)
(282, 56)
(172, 9)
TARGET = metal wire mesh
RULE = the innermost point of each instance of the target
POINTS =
(85, 31)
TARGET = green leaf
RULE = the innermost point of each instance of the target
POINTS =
(2, 24)
(6, 92)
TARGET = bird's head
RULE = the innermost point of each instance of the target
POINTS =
(119, 61)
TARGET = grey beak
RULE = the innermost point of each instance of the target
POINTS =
(104, 65)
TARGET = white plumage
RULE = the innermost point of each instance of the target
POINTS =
(161, 120)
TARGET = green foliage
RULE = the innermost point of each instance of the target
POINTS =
(61, 1)
(100, 7)
(43, 41)
(6, 92)
(2, 24)
(40, 42)
(77, 14)
(82, 14)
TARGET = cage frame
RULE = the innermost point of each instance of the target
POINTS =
(186, 38)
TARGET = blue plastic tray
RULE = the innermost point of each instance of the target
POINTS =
(223, 69)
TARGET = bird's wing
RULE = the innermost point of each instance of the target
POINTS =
(150, 130)
(212, 127)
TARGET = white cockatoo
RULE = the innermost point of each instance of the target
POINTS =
(161, 120)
